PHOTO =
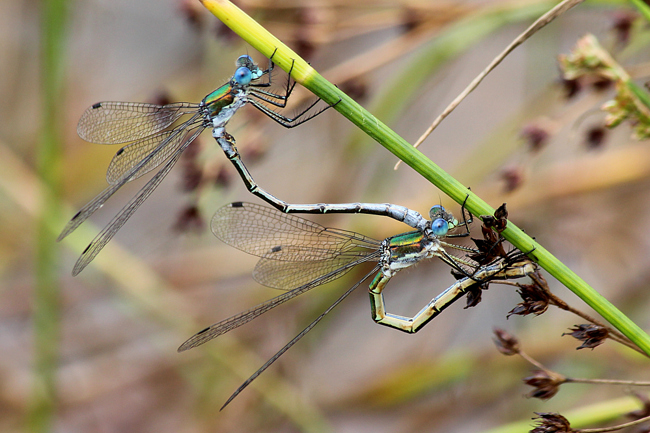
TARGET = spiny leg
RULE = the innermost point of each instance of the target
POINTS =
(288, 90)
(256, 91)
(288, 122)
(269, 97)
(466, 222)
(455, 263)
(256, 87)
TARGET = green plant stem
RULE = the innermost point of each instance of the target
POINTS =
(267, 44)
(46, 312)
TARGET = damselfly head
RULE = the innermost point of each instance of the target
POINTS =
(246, 61)
(441, 220)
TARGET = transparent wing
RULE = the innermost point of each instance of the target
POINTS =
(121, 122)
(268, 233)
(164, 144)
(118, 221)
(98, 201)
(293, 341)
(246, 316)
(286, 275)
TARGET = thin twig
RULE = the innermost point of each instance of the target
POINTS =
(613, 334)
(612, 428)
(607, 381)
(558, 302)
(536, 26)
(537, 363)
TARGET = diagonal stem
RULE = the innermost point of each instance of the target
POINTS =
(253, 33)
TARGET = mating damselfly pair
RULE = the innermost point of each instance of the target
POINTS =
(296, 255)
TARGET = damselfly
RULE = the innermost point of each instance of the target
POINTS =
(153, 140)
(298, 255)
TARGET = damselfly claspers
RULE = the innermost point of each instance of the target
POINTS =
(298, 255)
(153, 140)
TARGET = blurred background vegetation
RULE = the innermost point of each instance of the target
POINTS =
(98, 352)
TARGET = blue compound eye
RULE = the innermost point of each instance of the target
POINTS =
(245, 60)
(242, 76)
(440, 227)
(436, 211)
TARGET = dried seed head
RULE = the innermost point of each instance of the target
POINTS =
(501, 214)
(591, 335)
(535, 302)
(161, 98)
(506, 343)
(224, 34)
(491, 246)
(223, 177)
(535, 135)
(513, 177)
(474, 293)
(600, 84)
(545, 384)
(551, 423)
(488, 249)
(193, 13)
(192, 176)
(411, 19)
(189, 219)
(595, 137)
(571, 87)
(192, 170)
(622, 25)
(356, 88)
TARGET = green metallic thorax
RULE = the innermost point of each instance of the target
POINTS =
(406, 246)
(219, 99)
